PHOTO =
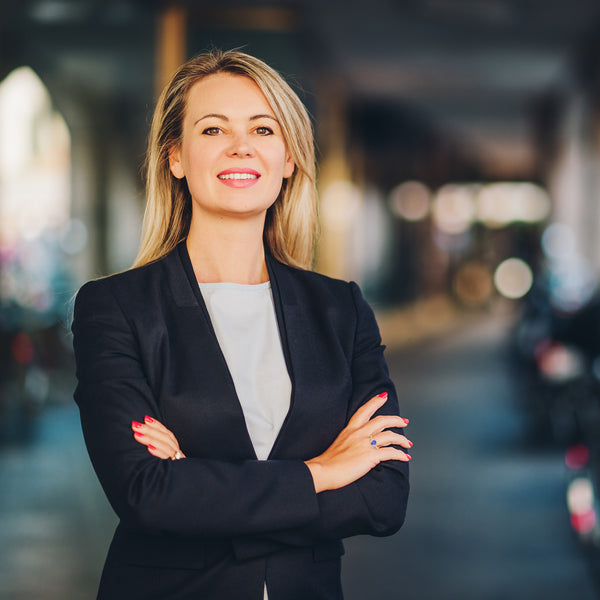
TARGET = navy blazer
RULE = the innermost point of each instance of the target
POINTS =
(220, 523)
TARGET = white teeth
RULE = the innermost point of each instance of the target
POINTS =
(238, 176)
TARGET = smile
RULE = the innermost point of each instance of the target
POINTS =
(238, 176)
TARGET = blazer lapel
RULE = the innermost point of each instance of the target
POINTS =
(288, 313)
(210, 359)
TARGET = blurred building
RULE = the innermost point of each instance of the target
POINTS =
(420, 109)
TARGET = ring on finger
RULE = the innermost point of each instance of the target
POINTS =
(373, 443)
(177, 455)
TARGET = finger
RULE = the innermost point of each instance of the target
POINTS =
(390, 453)
(161, 450)
(368, 409)
(151, 439)
(390, 438)
(159, 427)
(382, 422)
(157, 442)
(158, 452)
(151, 434)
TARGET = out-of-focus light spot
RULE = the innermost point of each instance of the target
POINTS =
(493, 205)
(513, 278)
(340, 204)
(56, 11)
(571, 282)
(473, 283)
(580, 495)
(558, 241)
(410, 200)
(499, 204)
(532, 203)
(454, 208)
(22, 349)
(580, 500)
(577, 456)
(73, 236)
(557, 362)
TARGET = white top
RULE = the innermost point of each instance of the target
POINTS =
(243, 317)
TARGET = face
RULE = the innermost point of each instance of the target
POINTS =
(232, 153)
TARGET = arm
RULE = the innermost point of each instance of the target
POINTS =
(375, 503)
(364, 490)
(192, 496)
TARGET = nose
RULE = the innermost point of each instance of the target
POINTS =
(241, 146)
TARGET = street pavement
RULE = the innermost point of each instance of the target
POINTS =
(487, 516)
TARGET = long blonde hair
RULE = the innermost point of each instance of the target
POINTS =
(291, 222)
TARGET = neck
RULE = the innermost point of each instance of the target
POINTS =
(227, 251)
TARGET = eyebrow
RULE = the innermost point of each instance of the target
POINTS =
(225, 118)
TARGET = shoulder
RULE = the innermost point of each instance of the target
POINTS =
(324, 290)
(133, 286)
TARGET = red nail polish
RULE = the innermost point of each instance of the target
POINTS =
(148, 419)
(136, 424)
(382, 395)
(406, 421)
(410, 444)
(139, 434)
(408, 455)
(151, 447)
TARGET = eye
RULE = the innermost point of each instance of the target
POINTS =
(264, 130)
(211, 131)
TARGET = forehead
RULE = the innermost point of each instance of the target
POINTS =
(226, 93)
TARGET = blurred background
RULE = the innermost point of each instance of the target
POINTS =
(459, 170)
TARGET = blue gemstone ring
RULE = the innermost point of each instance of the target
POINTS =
(373, 443)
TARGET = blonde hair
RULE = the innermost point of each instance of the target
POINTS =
(291, 222)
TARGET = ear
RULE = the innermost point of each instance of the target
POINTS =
(289, 165)
(175, 162)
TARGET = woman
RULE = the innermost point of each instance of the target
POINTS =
(236, 406)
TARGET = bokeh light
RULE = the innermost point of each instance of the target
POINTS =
(340, 204)
(454, 208)
(410, 200)
(513, 278)
(473, 283)
(558, 241)
(502, 203)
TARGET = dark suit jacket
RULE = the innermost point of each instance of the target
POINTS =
(220, 522)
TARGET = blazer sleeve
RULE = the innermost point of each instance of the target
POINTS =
(375, 504)
(192, 496)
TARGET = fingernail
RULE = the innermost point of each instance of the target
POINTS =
(407, 456)
(148, 419)
(139, 434)
(382, 395)
(406, 421)
(136, 424)
(154, 447)
(410, 444)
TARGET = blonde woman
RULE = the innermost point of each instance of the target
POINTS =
(236, 406)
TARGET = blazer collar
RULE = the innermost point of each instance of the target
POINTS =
(186, 291)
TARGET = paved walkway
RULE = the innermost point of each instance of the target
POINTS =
(487, 517)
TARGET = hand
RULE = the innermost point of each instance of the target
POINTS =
(157, 438)
(353, 454)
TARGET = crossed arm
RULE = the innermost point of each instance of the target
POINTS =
(360, 489)
(350, 456)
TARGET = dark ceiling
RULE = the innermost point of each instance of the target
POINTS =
(474, 67)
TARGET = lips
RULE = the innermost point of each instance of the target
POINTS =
(239, 177)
